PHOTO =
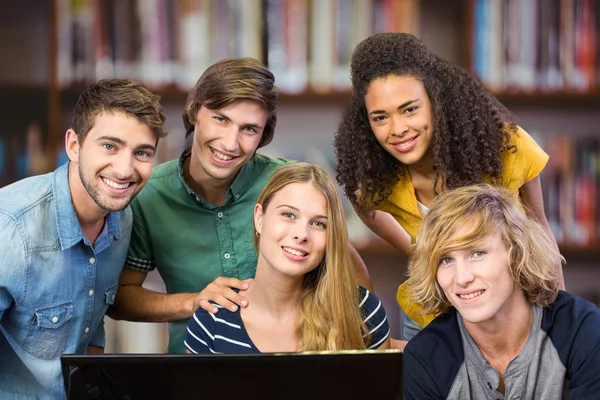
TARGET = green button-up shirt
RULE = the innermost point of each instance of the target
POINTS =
(190, 241)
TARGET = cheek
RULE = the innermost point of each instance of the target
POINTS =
(145, 170)
(320, 243)
(249, 143)
(444, 278)
(380, 134)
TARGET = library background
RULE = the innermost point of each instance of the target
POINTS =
(540, 57)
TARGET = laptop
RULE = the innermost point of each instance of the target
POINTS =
(312, 375)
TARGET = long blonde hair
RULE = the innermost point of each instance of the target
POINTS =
(330, 314)
(533, 256)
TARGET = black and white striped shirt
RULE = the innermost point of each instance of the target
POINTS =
(224, 333)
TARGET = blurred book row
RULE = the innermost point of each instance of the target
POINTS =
(537, 45)
(571, 186)
(306, 43)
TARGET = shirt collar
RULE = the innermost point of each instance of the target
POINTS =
(67, 223)
(240, 184)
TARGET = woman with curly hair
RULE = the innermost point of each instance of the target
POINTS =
(418, 125)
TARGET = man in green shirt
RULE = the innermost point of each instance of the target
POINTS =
(194, 219)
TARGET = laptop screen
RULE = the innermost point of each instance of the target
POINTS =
(312, 375)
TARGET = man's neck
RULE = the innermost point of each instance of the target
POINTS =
(90, 215)
(206, 187)
(505, 335)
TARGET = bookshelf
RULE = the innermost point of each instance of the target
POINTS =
(38, 84)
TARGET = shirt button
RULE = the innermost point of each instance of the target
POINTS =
(220, 215)
(87, 329)
(227, 256)
(237, 196)
(54, 319)
(91, 293)
(92, 260)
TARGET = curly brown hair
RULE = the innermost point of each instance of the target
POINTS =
(471, 127)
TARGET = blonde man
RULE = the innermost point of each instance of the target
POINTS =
(505, 330)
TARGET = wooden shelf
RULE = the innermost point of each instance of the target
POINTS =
(568, 99)
(25, 88)
(173, 93)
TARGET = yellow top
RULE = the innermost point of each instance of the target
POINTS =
(521, 164)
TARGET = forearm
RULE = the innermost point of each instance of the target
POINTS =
(362, 274)
(95, 350)
(136, 303)
(386, 227)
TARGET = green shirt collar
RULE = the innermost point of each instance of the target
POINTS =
(240, 185)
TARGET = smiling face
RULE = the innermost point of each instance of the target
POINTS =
(293, 230)
(399, 113)
(225, 139)
(477, 280)
(114, 161)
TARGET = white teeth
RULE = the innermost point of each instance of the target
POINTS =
(406, 144)
(471, 295)
(295, 252)
(220, 155)
(115, 185)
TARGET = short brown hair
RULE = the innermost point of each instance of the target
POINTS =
(231, 80)
(111, 95)
(533, 256)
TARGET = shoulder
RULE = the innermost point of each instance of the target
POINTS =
(523, 160)
(369, 303)
(433, 358)
(572, 324)
(374, 317)
(21, 196)
(256, 172)
(164, 172)
(441, 336)
(261, 163)
(164, 180)
(571, 319)
(217, 333)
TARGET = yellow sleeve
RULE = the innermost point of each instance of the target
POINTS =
(413, 310)
(530, 158)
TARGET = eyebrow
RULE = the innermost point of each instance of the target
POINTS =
(255, 126)
(298, 210)
(120, 141)
(406, 103)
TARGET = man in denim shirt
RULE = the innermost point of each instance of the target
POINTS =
(64, 237)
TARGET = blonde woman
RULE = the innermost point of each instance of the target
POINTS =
(304, 296)
(505, 330)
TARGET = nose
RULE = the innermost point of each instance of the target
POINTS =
(464, 275)
(230, 139)
(399, 126)
(123, 166)
(300, 234)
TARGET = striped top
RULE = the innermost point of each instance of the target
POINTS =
(224, 333)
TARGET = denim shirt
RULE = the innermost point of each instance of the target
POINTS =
(54, 286)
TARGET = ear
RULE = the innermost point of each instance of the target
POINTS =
(72, 145)
(258, 218)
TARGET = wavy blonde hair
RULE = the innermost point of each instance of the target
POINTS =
(330, 313)
(532, 254)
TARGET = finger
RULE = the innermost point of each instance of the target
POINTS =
(231, 283)
(225, 301)
(210, 306)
